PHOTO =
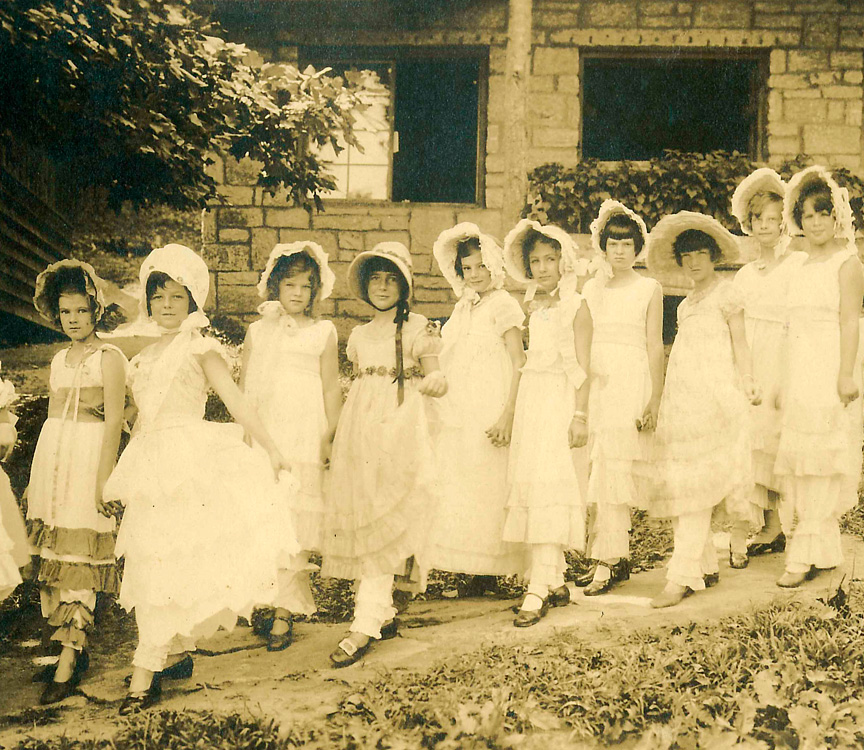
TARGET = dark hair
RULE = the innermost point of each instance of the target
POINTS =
(532, 237)
(464, 249)
(694, 241)
(822, 200)
(291, 265)
(157, 280)
(622, 227)
(68, 280)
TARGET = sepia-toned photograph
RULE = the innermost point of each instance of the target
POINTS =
(435, 374)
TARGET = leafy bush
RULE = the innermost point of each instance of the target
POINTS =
(571, 196)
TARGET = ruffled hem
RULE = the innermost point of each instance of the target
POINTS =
(530, 522)
(610, 544)
(620, 482)
(72, 620)
(471, 562)
(621, 444)
(79, 576)
(74, 542)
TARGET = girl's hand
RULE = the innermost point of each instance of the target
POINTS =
(649, 417)
(500, 432)
(433, 385)
(578, 433)
(326, 451)
(846, 389)
(105, 507)
(8, 438)
(278, 463)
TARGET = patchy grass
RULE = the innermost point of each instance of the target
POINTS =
(785, 676)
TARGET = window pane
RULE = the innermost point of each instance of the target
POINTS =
(367, 182)
(635, 108)
(376, 149)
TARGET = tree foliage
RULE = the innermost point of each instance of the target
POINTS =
(135, 94)
(571, 196)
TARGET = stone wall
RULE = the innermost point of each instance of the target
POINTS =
(814, 56)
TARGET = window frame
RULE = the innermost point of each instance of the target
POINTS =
(391, 55)
(758, 146)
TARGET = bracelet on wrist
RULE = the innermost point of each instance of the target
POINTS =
(580, 416)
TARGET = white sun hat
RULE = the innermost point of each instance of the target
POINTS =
(661, 255)
(608, 209)
(395, 252)
(514, 260)
(844, 226)
(311, 249)
(445, 251)
(185, 267)
(763, 180)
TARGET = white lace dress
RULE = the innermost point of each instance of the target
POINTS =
(468, 528)
(703, 449)
(546, 503)
(766, 318)
(205, 522)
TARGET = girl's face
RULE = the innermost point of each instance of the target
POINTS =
(76, 316)
(621, 253)
(476, 275)
(295, 292)
(545, 264)
(383, 289)
(169, 305)
(766, 226)
(698, 265)
(818, 226)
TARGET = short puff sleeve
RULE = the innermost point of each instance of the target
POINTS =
(731, 299)
(427, 343)
(201, 345)
(507, 313)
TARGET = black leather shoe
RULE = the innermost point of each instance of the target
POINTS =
(712, 579)
(135, 703)
(401, 600)
(586, 578)
(738, 561)
(525, 619)
(55, 692)
(345, 657)
(46, 674)
(283, 640)
(619, 572)
(559, 597)
(262, 621)
(390, 629)
(180, 670)
(765, 548)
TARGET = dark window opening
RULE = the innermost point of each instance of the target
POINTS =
(635, 108)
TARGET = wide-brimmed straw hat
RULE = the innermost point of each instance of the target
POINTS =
(314, 251)
(661, 255)
(445, 252)
(844, 226)
(514, 260)
(608, 209)
(763, 180)
(93, 285)
(395, 252)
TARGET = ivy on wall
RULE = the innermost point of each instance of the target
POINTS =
(570, 197)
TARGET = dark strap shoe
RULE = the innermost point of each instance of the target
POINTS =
(281, 641)
(778, 544)
(347, 653)
(135, 703)
(55, 692)
(525, 618)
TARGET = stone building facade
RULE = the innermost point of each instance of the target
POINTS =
(809, 56)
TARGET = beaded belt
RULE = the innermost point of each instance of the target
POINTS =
(383, 371)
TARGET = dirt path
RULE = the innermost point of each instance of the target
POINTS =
(234, 673)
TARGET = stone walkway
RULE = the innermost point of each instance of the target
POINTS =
(233, 672)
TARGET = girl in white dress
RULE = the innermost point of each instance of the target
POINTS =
(703, 429)
(627, 363)
(382, 480)
(291, 376)
(481, 357)
(819, 456)
(70, 525)
(205, 522)
(545, 507)
(758, 205)
(14, 548)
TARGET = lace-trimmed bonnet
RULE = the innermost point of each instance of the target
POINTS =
(185, 267)
(661, 256)
(608, 209)
(395, 252)
(763, 180)
(93, 285)
(445, 252)
(314, 251)
(844, 226)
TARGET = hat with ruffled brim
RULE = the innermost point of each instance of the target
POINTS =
(763, 180)
(514, 260)
(446, 249)
(183, 265)
(395, 252)
(844, 225)
(315, 252)
(608, 209)
(661, 256)
(44, 291)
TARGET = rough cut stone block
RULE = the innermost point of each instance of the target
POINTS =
(847, 60)
(541, 84)
(825, 77)
(842, 92)
(294, 218)
(497, 59)
(495, 197)
(783, 145)
(226, 257)
(805, 110)
(852, 39)
(807, 60)
(775, 106)
(231, 298)
(566, 156)
(657, 8)
(555, 19)
(783, 128)
(263, 242)
(237, 195)
(489, 221)
(777, 21)
(811, 93)
(432, 295)
(547, 109)
(821, 31)
(854, 115)
(243, 172)
(355, 223)
(240, 217)
(600, 14)
(371, 239)
(788, 81)
(853, 76)
(426, 224)
(234, 235)
(852, 21)
(567, 84)
(723, 15)
(555, 137)
(664, 22)
(353, 308)
(836, 111)
(554, 60)
(350, 240)
(832, 139)
(208, 225)
(395, 223)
